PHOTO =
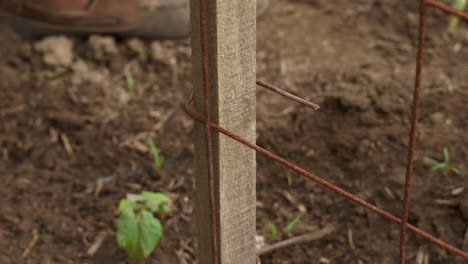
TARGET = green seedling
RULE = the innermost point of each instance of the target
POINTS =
(138, 231)
(54, 74)
(130, 82)
(273, 229)
(290, 179)
(138, 49)
(459, 5)
(289, 227)
(158, 158)
(292, 224)
(445, 166)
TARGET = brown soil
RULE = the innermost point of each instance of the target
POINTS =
(64, 125)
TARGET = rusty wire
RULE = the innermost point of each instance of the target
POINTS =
(287, 95)
(447, 9)
(403, 221)
(209, 148)
(322, 181)
(412, 137)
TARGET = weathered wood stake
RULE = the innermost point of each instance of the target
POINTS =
(231, 28)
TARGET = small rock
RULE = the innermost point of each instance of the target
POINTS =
(56, 50)
(437, 117)
(260, 241)
(162, 54)
(83, 73)
(80, 66)
(457, 191)
(370, 118)
(102, 46)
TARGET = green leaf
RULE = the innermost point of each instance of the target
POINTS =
(273, 229)
(460, 5)
(150, 231)
(457, 171)
(135, 197)
(290, 180)
(126, 204)
(159, 162)
(130, 82)
(156, 202)
(138, 49)
(53, 74)
(158, 159)
(166, 208)
(446, 155)
(127, 231)
(427, 159)
(292, 224)
(453, 21)
(138, 234)
(439, 166)
(153, 147)
(155, 196)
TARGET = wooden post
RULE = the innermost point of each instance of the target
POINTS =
(231, 28)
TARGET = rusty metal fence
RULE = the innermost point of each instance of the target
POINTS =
(403, 219)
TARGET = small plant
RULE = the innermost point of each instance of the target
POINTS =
(273, 229)
(459, 5)
(138, 231)
(54, 74)
(445, 166)
(290, 179)
(158, 158)
(138, 49)
(292, 224)
(130, 82)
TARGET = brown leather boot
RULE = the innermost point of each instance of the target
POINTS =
(167, 19)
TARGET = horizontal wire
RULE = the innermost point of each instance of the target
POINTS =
(287, 95)
(323, 182)
(447, 9)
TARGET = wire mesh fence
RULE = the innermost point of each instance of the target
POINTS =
(403, 219)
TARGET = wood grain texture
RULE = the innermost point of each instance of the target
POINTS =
(232, 42)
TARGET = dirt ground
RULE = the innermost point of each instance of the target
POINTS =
(70, 119)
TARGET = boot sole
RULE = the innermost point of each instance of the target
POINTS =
(172, 22)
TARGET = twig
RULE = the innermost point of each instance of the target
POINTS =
(350, 239)
(420, 256)
(465, 241)
(97, 243)
(31, 244)
(125, 174)
(287, 95)
(66, 143)
(296, 240)
(12, 110)
(164, 120)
